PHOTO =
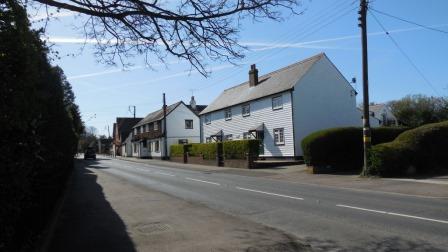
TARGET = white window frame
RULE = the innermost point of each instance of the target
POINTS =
(188, 120)
(245, 110)
(228, 114)
(208, 118)
(157, 146)
(279, 136)
(275, 104)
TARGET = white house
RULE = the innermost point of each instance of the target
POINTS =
(282, 107)
(182, 126)
(374, 122)
(384, 114)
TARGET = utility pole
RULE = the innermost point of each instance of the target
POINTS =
(165, 147)
(129, 108)
(365, 82)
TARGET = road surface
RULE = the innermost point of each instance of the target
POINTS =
(327, 218)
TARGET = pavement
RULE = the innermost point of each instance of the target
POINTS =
(117, 205)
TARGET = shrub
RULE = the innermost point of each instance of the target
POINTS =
(342, 148)
(232, 149)
(238, 149)
(420, 150)
(177, 150)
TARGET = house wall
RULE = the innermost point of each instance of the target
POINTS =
(322, 99)
(175, 126)
(260, 112)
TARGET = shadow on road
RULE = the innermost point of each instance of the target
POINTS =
(87, 221)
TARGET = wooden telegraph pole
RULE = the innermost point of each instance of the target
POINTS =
(365, 79)
(165, 142)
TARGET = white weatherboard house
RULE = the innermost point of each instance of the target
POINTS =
(182, 126)
(282, 107)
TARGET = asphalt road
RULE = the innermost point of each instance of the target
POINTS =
(327, 218)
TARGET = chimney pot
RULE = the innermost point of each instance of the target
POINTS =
(253, 76)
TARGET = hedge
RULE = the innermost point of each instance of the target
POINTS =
(421, 150)
(232, 149)
(342, 148)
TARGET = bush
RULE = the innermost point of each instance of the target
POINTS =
(238, 149)
(177, 150)
(421, 150)
(232, 149)
(342, 148)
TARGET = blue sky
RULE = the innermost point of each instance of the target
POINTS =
(104, 92)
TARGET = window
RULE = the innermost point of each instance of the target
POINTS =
(156, 147)
(228, 114)
(279, 137)
(245, 135)
(245, 110)
(228, 137)
(188, 124)
(145, 144)
(138, 130)
(183, 141)
(208, 139)
(135, 147)
(150, 147)
(277, 102)
(208, 118)
(156, 126)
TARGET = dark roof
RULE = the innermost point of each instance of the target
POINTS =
(124, 125)
(198, 108)
(157, 115)
(272, 83)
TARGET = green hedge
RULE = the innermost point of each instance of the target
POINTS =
(421, 150)
(238, 149)
(176, 150)
(342, 148)
(232, 149)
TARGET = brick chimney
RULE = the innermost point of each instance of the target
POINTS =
(253, 76)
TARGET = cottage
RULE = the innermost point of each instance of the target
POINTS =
(121, 130)
(182, 127)
(383, 113)
(282, 107)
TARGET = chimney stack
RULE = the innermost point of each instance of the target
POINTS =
(253, 76)
(193, 103)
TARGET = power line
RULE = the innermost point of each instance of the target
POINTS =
(404, 54)
(410, 22)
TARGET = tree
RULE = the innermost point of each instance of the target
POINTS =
(189, 29)
(416, 110)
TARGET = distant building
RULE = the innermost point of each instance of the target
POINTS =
(182, 127)
(282, 107)
(121, 129)
(384, 114)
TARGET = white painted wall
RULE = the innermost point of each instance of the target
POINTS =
(322, 99)
(260, 112)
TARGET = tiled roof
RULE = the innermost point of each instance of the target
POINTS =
(269, 84)
(157, 115)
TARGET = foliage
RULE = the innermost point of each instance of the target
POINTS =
(421, 150)
(417, 110)
(238, 149)
(232, 149)
(191, 30)
(40, 125)
(342, 148)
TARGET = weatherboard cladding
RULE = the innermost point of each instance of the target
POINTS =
(260, 112)
(272, 83)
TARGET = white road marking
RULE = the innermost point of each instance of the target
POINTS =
(268, 193)
(167, 174)
(395, 214)
(203, 181)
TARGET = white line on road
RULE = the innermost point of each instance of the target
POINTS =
(268, 193)
(167, 174)
(203, 181)
(395, 214)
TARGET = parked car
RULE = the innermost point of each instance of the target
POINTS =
(90, 153)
